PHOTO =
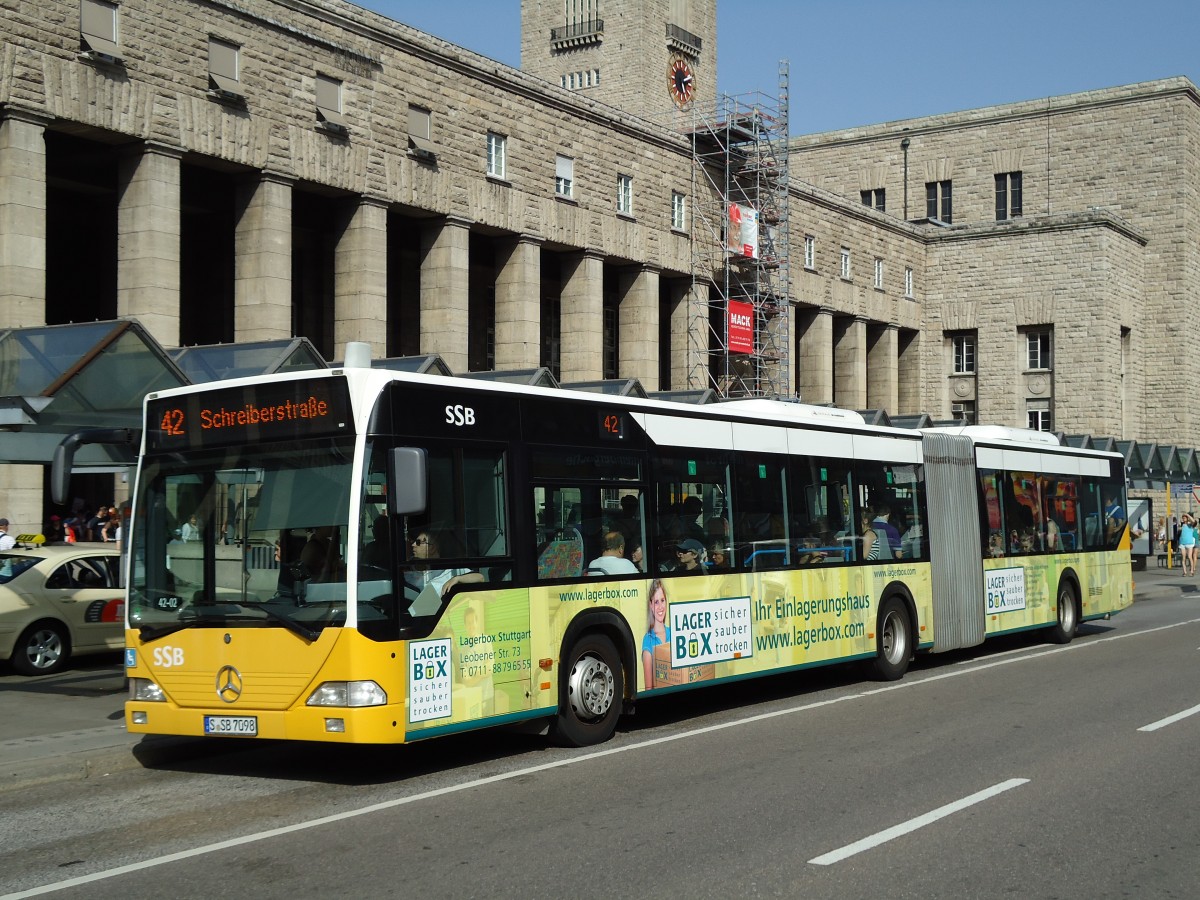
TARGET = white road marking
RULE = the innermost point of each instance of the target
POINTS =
(882, 837)
(557, 764)
(1170, 720)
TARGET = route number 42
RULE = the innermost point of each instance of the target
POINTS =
(172, 422)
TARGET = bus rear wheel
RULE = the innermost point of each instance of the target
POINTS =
(591, 692)
(893, 640)
(1063, 630)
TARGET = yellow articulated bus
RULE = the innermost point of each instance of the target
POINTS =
(368, 556)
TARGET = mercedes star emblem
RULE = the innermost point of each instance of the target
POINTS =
(229, 684)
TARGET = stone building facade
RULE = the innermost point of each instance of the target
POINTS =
(246, 171)
(1103, 254)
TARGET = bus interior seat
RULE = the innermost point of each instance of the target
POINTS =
(562, 557)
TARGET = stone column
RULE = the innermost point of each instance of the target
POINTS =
(360, 279)
(882, 371)
(22, 279)
(908, 368)
(689, 336)
(850, 364)
(445, 289)
(639, 345)
(148, 226)
(518, 303)
(814, 374)
(22, 221)
(262, 284)
(582, 317)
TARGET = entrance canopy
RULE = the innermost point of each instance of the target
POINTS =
(56, 379)
(217, 362)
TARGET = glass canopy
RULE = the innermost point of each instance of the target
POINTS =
(217, 362)
(56, 379)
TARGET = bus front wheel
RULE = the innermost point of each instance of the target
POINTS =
(591, 692)
(1064, 629)
(893, 640)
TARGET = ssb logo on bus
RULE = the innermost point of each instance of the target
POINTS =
(430, 693)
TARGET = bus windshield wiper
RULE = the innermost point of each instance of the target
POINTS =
(286, 621)
(154, 632)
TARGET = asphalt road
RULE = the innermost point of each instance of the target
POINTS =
(1017, 769)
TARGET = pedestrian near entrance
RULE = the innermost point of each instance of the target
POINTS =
(7, 541)
(1187, 544)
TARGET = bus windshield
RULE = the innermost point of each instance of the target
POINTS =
(249, 536)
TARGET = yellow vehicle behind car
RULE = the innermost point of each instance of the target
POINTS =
(58, 602)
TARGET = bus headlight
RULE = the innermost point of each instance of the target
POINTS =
(348, 693)
(145, 689)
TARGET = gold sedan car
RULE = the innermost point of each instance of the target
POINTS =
(58, 602)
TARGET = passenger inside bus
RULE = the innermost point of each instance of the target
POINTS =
(611, 560)
(427, 545)
(690, 557)
(320, 560)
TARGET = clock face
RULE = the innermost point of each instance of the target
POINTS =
(680, 81)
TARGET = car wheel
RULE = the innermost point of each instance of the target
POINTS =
(43, 649)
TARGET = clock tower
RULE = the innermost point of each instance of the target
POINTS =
(653, 58)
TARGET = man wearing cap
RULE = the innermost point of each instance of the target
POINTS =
(690, 556)
(7, 541)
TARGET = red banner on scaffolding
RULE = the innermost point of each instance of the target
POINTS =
(741, 327)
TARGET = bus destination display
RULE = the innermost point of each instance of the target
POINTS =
(289, 410)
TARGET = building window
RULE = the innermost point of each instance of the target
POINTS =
(1038, 349)
(964, 353)
(625, 194)
(876, 199)
(596, 73)
(879, 274)
(908, 282)
(562, 79)
(1037, 415)
(610, 345)
(419, 132)
(939, 201)
(810, 252)
(846, 263)
(678, 211)
(1008, 196)
(98, 29)
(497, 146)
(564, 177)
(223, 75)
(963, 411)
(329, 102)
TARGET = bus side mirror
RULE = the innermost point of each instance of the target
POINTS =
(407, 484)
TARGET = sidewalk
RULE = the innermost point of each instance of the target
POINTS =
(71, 726)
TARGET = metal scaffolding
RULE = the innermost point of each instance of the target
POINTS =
(738, 334)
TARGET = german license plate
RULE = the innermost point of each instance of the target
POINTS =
(242, 726)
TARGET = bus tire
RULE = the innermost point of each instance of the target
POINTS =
(893, 640)
(1063, 630)
(42, 649)
(590, 694)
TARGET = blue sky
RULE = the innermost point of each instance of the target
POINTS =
(858, 62)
